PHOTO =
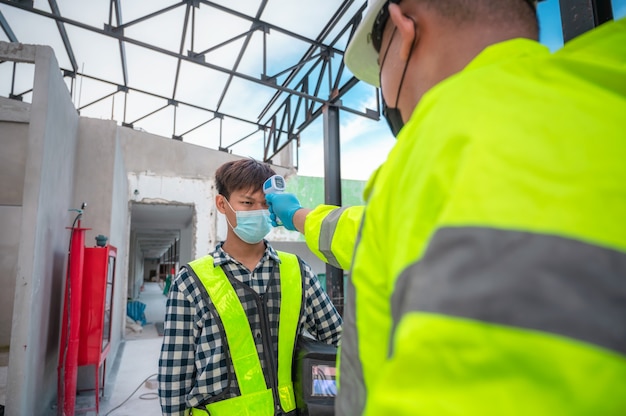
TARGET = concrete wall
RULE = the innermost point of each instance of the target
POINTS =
(43, 238)
(149, 265)
(118, 236)
(53, 160)
(186, 238)
(300, 248)
(14, 117)
(135, 267)
(169, 171)
(165, 171)
(10, 221)
(101, 183)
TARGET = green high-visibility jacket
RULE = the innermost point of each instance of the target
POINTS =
(257, 398)
(489, 275)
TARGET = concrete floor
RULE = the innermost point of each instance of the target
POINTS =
(131, 386)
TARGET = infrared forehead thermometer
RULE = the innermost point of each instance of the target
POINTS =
(274, 184)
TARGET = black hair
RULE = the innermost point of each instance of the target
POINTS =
(460, 12)
(493, 12)
(247, 174)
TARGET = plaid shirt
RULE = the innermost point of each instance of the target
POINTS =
(193, 367)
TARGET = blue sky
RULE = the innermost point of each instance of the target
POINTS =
(366, 143)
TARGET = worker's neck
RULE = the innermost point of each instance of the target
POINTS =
(443, 52)
(247, 254)
(460, 48)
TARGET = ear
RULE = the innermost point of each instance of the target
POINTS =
(220, 204)
(407, 28)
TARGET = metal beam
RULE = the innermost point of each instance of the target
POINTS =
(122, 26)
(183, 35)
(66, 40)
(267, 25)
(332, 194)
(123, 88)
(7, 28)
(318, 45)
(289, 118)
(246, 42)
(164, 51)
(116, 7)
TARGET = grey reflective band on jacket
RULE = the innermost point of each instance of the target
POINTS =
(540, 282)
(327, 232)
(351, 394)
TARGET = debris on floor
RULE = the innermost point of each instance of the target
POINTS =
(133, 325)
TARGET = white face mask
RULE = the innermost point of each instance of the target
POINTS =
(252, 226)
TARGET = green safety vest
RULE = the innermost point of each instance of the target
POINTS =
(489, 276)
(256, 399)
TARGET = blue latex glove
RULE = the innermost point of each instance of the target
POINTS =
(282, 207)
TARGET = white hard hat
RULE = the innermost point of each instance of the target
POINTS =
(361, 58)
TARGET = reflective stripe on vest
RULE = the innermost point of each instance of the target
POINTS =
(457, 278)
(256, 398)
(327, 228)
(554, 325)
(290, 305)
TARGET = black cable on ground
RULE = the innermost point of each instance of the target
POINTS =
(156, 396)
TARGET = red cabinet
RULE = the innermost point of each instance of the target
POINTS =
(96, 310)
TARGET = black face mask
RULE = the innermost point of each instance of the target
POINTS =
(392, 114)
(393, 117)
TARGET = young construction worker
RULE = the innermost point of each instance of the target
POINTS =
(488, 266)
(233, 316)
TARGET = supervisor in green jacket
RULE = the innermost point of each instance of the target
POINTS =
(488, 267)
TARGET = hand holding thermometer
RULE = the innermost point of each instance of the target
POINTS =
(282, 205)
(274, 185)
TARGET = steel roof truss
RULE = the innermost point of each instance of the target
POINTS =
(6, 27)
(66, 40)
